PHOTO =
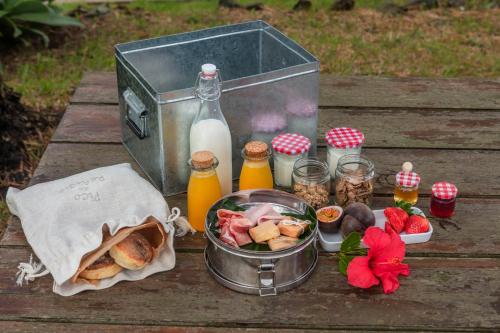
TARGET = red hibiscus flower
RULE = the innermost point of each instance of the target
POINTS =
(383, 263)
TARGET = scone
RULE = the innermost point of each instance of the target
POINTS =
(133, 253)
(102, 268)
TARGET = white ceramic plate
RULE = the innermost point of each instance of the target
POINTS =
(331, 242)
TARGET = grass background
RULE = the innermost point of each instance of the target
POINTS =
(431, 43)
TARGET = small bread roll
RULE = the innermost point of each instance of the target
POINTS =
(102, 268)
(133, 253)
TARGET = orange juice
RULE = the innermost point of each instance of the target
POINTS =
(256, 172)
(204, 189)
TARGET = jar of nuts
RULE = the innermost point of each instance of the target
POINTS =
(311, 182)
(354, 180)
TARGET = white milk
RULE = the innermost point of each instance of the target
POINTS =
(283, 168)
(214, 135)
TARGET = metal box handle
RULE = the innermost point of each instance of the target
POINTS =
(267, 280)
(136, 114)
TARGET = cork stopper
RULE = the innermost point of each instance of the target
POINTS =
(202, 159)
(256, 149)
(407, 167)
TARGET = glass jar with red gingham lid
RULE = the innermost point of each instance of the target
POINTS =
(288, 148)
(342, 141)
(406, 186)
(443, 199)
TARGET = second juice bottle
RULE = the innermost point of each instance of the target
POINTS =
(256, 172)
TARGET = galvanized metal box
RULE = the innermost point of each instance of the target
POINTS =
(270, 85)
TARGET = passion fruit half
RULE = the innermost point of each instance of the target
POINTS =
(330, 218)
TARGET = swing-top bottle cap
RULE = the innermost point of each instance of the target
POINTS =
(208, 69)
(407, 167)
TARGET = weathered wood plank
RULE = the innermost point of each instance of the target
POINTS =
(53, 327)
(477, 217)
(474, 172)
(188, 295)
(376, 91)
(353, 91)
(89, 123)
(395, 128)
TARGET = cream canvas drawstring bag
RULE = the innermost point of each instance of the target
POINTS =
(73, 221)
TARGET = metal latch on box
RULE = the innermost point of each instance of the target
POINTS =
(136, 114)
(267, 280)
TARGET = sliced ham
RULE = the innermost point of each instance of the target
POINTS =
(240, 225)
(274, 218)
(225, 215)
(226, 236)
(254, 213)
(242, 238)
(234, 226)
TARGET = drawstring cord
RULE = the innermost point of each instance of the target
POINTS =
(181, 223)
(29, 271)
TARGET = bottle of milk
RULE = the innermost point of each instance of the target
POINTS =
(209, 130)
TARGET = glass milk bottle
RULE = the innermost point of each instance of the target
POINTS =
(342, 141)
(406, 187)
(203, 189)
(209, 130)
(288, 148)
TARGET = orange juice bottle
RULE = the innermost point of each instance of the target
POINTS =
(256, 172)
(204, 188)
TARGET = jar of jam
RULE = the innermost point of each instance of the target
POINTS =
(406, 187)
(444, 196)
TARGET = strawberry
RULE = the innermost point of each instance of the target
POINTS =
(396, 217)
(417, 224)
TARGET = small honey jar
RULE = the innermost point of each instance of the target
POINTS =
(406, 187)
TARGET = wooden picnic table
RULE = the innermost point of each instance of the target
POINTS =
(449, 129)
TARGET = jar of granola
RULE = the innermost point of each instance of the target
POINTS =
(311, 182)
(354, 180)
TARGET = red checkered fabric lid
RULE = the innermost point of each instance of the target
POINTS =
(344, 137)
(407, 179)
(444, 190)
(291, 144)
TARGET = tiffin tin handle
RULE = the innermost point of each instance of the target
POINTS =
(267, 280)
(136, 114)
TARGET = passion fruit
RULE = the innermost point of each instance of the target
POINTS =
(351, 224)
(357, 217)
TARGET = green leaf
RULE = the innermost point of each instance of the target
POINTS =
(404, 205)
(16, 32)
(40, 33)
(351, 243)
(344, 261)
(3, 13)
(29, 6)
(48, 19)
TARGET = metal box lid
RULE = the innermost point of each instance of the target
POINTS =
(247, 54)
